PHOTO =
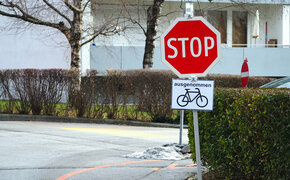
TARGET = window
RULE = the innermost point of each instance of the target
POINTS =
(239, 34)
(219, 20)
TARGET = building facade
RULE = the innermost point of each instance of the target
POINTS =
(253, 29)
(257, 30)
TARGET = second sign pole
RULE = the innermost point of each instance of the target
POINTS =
(181, 126)
(197, 145)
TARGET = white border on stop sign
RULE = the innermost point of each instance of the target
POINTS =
(196, 18)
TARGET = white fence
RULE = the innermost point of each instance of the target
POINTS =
(262, 61)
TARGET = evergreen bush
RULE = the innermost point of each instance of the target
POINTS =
(246, 136)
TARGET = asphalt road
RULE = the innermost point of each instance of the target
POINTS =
(47, 151)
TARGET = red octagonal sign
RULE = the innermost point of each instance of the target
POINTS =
(190, 47)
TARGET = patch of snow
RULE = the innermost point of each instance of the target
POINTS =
(166, 152)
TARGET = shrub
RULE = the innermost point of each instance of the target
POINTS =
(5, 92)
(133, 94)
(246, 136)
(148, 90)
(18, 91)
(115, 85)
(83, 98)
(234, 81)
(33, 90)
(34, 87)
(153, 92)
(109, 93)
(55, 84)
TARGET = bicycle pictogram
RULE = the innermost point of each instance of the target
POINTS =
(184, 99)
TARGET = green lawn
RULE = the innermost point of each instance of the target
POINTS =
(125, 112)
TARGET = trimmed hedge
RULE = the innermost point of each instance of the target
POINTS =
(134, 94)
(234, 81)
(247, 134)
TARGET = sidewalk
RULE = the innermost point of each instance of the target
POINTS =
(17, 117)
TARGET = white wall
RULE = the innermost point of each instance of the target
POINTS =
(244, 1)
(272, 14)
(105, 13)
(134, 35)
(262, 61)
(127, 53)
(27, 50)
(285, 25)
(85, 49)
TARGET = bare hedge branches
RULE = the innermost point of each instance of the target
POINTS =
(135, 94)
(34, 90)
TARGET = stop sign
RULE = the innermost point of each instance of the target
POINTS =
(190, 47)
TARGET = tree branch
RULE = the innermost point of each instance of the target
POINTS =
(57, 11)
(72, 7)
(133, 20)
(97, 33)
(85, 6)
(172, 12)
(156, 38)
(136, 22)
(24, 16)
(106, 29)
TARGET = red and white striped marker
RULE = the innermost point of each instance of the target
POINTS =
(245, 73)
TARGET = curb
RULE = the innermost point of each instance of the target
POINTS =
(43, 118)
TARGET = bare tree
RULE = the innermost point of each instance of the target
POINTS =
(153, 13)
(66, 16)
(149, 30)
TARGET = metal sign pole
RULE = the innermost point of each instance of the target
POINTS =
(197, 146)
(181, 126)
(189, 12)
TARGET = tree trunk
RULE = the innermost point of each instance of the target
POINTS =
(75, 56)
(77, 96)
(153, 13)
(75, 43)
(75, 67)
(149, 52)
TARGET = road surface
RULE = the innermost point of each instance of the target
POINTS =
(46, 151)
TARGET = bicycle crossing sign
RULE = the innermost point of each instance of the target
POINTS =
(189, 95)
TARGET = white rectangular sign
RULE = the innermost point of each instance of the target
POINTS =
(189, 95)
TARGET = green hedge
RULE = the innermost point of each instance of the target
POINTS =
(247, 134)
